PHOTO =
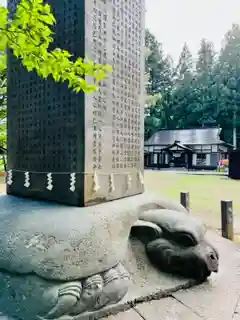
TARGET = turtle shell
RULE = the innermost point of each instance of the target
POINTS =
(61, 242)
(66, 243)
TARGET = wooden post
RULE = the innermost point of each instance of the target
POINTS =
(227, 219)
(184, 199)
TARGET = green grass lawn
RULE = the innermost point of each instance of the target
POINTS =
(206, 193)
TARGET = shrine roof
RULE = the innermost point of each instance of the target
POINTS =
(186, 137)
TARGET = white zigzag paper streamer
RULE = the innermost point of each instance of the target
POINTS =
(27, 180)
(49, 182)
(111, 186)
(10, 177)
(96, 185)
(72, 182)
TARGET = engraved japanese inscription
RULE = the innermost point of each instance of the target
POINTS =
(116, 37)
(81, 148)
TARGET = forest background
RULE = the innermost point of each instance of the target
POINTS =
(194, 93)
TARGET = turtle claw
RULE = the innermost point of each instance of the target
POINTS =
(116, 283)
(68, 295)
(92, 289)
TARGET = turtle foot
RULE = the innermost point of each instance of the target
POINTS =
(93, 293)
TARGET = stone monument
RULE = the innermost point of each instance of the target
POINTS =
(96, 256)
(73, 148)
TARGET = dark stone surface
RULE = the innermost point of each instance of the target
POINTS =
(234, 168)
(53, 130)
(46, 119)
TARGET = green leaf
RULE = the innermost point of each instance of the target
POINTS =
(29, 35)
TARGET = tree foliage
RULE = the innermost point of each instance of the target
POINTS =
(158, 66)
(28, 33)
(201, 93)
(150, 98)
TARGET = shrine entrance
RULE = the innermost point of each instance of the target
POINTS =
(179, 156)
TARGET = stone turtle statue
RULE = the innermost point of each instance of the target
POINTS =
(61, 263)
(175, 243)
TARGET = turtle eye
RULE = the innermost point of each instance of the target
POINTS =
(212, 257)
